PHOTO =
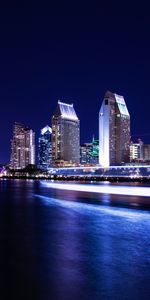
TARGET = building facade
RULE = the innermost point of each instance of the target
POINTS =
(22, 147)
(65, 135)
(85, 153)
(146, 152)
(114, 131)
(95, 152)
(89, 153)
(45, 148)
(136, 151)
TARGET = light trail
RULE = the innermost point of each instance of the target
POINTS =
(117, 190)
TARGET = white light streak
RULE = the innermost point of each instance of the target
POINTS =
(117, 190)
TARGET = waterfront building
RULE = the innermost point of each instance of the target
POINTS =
(95, 152)
(45, 148)
(22, 147)
(136, 151)
(146, 152)
(85, 153)
(65, 135)
(114, 131)
(89, 153)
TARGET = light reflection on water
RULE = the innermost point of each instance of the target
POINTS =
(68, 245)
(134, 215)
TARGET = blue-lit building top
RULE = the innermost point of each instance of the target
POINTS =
(45, 148)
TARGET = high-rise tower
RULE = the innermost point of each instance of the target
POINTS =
(22, 147)
(114, 131)
(65, 135)
(45, 148)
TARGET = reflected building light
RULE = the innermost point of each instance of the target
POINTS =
(133, 215)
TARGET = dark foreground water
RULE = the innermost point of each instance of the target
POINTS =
(69, 245)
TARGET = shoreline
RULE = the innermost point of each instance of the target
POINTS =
(77, 178)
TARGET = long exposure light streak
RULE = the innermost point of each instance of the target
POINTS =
(117, 190)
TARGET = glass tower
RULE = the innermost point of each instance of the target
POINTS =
(22, 147)
(65, 135)
(45, 148)
(114, 131)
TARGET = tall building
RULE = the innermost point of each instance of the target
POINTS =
(65, 135)
(45, 148)
(114, 131)
(22, 147)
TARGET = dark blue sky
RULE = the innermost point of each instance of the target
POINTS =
(72, 51)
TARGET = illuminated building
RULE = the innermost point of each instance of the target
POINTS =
(114, 131)
(89, 153)
(85, 150)
(136, 151)
(65, 135)
(22, 147)
(95, 151)
(45, 148)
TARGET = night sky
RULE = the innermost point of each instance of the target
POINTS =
(72, 51)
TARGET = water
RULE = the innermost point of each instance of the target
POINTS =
(58, 245)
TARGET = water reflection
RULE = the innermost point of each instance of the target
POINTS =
(108, 194)
(71, 245)
(99, 250)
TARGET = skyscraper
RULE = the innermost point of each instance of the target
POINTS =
(65, 135)
(45, 148)
(114, 131)
(22, 147)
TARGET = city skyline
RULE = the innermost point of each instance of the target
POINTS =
(73, 53)
(74, 150)
(37, 136)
